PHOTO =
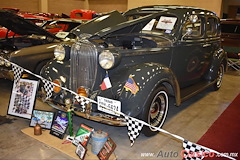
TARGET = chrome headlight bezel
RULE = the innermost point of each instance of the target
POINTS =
(106, 59)
(59, 52)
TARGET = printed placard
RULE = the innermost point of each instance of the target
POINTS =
(166, 23)
(149, 26)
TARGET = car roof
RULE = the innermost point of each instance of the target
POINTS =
(230, 21)
(167, 8)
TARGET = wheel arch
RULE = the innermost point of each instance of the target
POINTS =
(172, 89)
(134, 104)
(40, 65)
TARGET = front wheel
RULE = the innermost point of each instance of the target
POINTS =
(219, 78)
(155, 111)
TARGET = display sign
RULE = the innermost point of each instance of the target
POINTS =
(166, 23)
(81, 151)
(83, 135)
(60, 124)
(23, 98)
(43, 118)
(149, 26)
(107, 149)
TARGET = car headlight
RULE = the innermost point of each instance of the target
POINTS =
(106, 59)
(59, 53)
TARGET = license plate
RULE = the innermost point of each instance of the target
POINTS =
(109, 105)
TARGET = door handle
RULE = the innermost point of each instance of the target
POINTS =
(206, 45)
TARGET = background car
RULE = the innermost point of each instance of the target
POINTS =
(83, 14)
(231, 41)
(61, 25)
(153, 53)
(22, 33)
(231, 36)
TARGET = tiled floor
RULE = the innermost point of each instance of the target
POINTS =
(189, 121)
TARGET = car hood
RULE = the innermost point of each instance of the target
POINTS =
(97, 24)
(21, 26)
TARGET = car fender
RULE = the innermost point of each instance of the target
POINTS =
(218, 57)
(57, 70)
(147, 76)
(30, 57)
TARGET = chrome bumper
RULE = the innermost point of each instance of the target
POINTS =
(95, 116)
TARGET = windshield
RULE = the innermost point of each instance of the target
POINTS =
(160, 25)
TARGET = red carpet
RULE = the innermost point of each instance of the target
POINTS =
(224, 134)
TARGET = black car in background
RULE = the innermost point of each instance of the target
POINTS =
(230, 36)
(28, 34)
(152, 53)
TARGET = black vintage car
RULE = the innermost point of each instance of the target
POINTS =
(154, 52)
(28, 34)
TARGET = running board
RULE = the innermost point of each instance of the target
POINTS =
(191, 91)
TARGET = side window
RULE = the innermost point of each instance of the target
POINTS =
(192, 28)
(79, 15)
(211, 27)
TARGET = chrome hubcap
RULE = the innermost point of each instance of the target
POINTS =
(220, 76)
(158, 110)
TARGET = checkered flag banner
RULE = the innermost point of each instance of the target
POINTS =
(193, 151)
(17, 73)
(134, 128)
(48, 86)
(82, 101)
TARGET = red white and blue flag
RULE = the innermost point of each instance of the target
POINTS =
(131, 85)
(106, 83)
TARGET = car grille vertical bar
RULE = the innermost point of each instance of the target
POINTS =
(83, 65)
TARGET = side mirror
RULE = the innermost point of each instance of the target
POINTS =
(188, 32)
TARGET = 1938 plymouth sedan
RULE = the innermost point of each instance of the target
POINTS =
(154, 53)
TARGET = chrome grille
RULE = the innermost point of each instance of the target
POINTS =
(83, 65)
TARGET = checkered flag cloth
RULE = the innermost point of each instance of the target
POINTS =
(48, 86)
(17, 73)
(193, 151)
(82, 101)
(134, 128)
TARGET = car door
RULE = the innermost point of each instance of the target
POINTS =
(188, 61)
(212, 42)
